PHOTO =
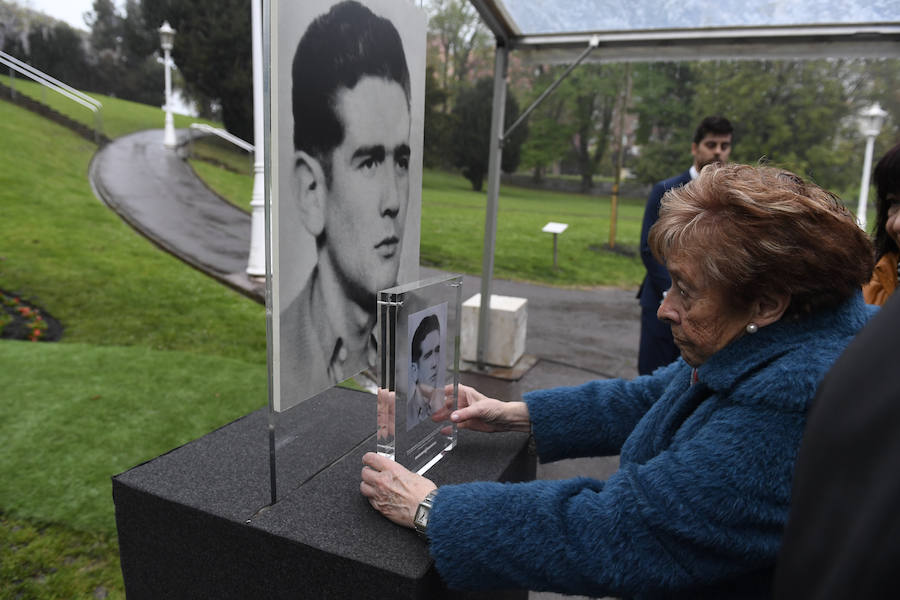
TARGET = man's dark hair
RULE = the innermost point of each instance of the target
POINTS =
(712, 125)
(428, 324)
(887, 180)
(338, 49)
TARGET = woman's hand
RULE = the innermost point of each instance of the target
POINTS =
(478, 412)
(393, 490)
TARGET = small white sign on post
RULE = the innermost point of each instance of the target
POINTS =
(555, 229)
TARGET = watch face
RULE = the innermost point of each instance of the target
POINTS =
(421, 518)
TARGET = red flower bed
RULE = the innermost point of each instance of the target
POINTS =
(22, 320)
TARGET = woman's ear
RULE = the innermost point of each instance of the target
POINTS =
(310, 181)
(769, 308)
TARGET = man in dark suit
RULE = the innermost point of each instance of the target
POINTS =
(842, 538)
(712, 143)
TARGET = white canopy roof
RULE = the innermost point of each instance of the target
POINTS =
(649, 30)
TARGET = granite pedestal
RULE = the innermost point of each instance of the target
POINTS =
(197, 522)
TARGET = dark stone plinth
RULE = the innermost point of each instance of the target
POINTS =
(196, 522)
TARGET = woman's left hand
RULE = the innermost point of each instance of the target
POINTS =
(393, 490)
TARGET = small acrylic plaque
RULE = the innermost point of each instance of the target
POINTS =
(419, 324)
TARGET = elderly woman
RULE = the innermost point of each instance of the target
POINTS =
(887, 228)
(766, 272)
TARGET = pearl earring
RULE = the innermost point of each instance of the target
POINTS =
(752, 328)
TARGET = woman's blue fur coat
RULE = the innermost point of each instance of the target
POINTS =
(699, 503)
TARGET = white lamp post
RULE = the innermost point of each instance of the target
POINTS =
(256, 263)
(166, 40)
(870, 122)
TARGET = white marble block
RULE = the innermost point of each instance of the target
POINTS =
(508, 324)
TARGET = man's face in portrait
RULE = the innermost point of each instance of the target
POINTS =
(427, 365)
(365, 207)
(712, 148)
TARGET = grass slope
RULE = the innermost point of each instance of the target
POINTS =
(75, 414)
(235, 187)
(154, 354)
(118, 116)
(50, 560)
(69, 253)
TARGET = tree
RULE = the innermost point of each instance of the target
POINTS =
(458, 32)
(575, 122)
(789, 113)
(212, 51)
(58, 50)
(876, 81)
(470, 146)
(456, 42)
(549, 134)
(124, 53)
(663, 99)
(106, 26)
(143, 74)
(437, 124)
(793, 114)
(593, 94)
(106, 40)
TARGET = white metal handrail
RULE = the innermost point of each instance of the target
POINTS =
(247, 146)
(57, 86)
(52, 79)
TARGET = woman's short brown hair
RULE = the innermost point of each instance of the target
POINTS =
(761, 229)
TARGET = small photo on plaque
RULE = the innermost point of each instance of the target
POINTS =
(427, 350)
(419, 324)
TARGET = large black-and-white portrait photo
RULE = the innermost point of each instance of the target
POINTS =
(427, 352)
(347, 105)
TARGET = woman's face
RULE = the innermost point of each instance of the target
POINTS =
(892, 226)
(703, 320)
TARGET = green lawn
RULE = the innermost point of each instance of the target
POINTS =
(75, 414)
(453, 234)
(51, 560)
(154, 354)
(237, 188)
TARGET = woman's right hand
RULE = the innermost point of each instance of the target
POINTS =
(477, 412)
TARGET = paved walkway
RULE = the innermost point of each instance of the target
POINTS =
(156, 192)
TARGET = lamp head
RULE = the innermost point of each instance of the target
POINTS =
(166, 36)
(871, 120)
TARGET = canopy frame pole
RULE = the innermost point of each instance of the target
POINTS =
(498, 137)
(501, 61)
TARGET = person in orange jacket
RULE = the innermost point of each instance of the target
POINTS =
(887, 229)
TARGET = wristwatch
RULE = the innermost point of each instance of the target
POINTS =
(420, 521)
